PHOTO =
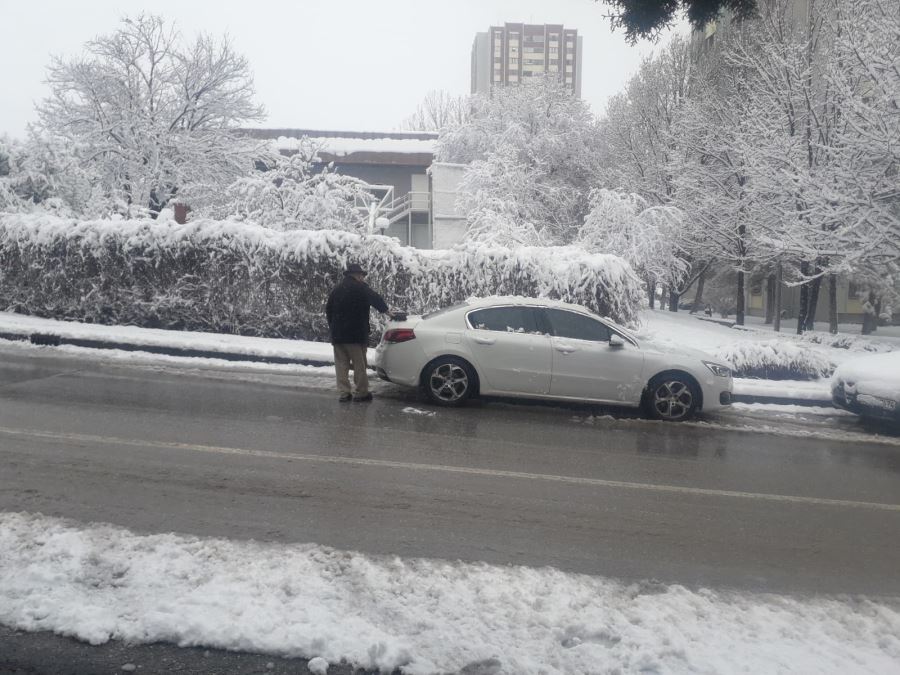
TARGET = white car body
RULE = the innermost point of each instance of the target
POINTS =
(544, 363)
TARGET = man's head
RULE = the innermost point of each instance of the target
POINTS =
(355, 271)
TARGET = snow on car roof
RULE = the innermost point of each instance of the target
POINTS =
(875, 374)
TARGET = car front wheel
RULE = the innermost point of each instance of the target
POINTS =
(671, 397)
(448, 381)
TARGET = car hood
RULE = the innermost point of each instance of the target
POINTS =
(670, 349)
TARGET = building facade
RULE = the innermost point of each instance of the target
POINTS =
(394, 164)
(515, 52)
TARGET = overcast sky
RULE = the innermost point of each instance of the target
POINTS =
(318, 64)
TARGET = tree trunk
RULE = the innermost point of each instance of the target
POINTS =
(698, 296)
(673, 300)
(779, 275)
(663, 294)
(770, 298)
(813, 303)
(832, 305)
(651, 293)
(739, 313)
(870, 317)
(804, 299)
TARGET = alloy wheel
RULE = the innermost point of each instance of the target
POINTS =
(448, 382)
(672, 399)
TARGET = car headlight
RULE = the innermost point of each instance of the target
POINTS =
(718, 369)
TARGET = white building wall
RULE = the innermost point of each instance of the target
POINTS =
(448, 223)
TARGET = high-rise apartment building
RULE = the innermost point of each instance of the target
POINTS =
(514, 52)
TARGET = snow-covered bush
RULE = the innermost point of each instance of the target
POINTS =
(776, 360)
(285, 193)
(238, 277)
(648, 237)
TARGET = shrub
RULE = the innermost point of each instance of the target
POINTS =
(776, 360)
(237, 277)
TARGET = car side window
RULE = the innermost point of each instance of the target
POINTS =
(567, 324)
(505, 320)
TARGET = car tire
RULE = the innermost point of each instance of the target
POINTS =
(672, 397)
(448, 381)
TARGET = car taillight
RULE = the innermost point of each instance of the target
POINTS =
(395, 335)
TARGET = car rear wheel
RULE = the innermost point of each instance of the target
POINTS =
(448, 381)
(672, 397)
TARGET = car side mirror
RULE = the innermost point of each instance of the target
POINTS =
(616, 341)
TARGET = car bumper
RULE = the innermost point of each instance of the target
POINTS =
(717, 393)
(399, 363)
(865, 405)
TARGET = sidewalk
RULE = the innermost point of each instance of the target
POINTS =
(279, 351)
(167, 342)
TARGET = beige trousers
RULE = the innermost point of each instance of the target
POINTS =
(345, 357)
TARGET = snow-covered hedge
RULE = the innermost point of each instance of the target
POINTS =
(236, 277)
(776, 360)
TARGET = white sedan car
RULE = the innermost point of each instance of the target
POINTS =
(522, 347)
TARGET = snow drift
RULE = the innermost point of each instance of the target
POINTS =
(238, 277)
(422, 616)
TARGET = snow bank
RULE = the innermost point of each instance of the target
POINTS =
(875, 375)
(422, 616)
(238, 277)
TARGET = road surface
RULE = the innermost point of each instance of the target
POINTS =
(275, 458)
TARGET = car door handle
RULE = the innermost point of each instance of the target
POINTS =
(566, 349)
(484, 340)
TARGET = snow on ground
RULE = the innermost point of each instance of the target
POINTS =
(806, 390)
(791, 409)
(185, 362)
(101, 582)
(19, 324)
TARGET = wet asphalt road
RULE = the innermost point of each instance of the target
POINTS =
(276, 458)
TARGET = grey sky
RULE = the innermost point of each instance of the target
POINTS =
(321, 64)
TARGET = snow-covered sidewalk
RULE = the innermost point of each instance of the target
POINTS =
(170, 342)
(423, 616)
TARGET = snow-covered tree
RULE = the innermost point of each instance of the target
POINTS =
(287, 193)
(547, 139)
(149, 114)
(439, 110)
(646, 236)
(642, 149)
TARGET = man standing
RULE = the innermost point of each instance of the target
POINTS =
(347, 311)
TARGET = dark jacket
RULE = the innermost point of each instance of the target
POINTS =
(347, 311)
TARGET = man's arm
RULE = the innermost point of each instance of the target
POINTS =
(376, 300)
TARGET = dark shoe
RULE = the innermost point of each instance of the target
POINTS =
(363, 399)
(345, 398)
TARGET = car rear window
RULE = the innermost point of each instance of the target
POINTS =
(444, 310)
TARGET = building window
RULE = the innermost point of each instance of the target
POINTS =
(513, 62)
(554, 50)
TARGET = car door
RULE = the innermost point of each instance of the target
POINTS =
(510, 349)
(586, 366)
